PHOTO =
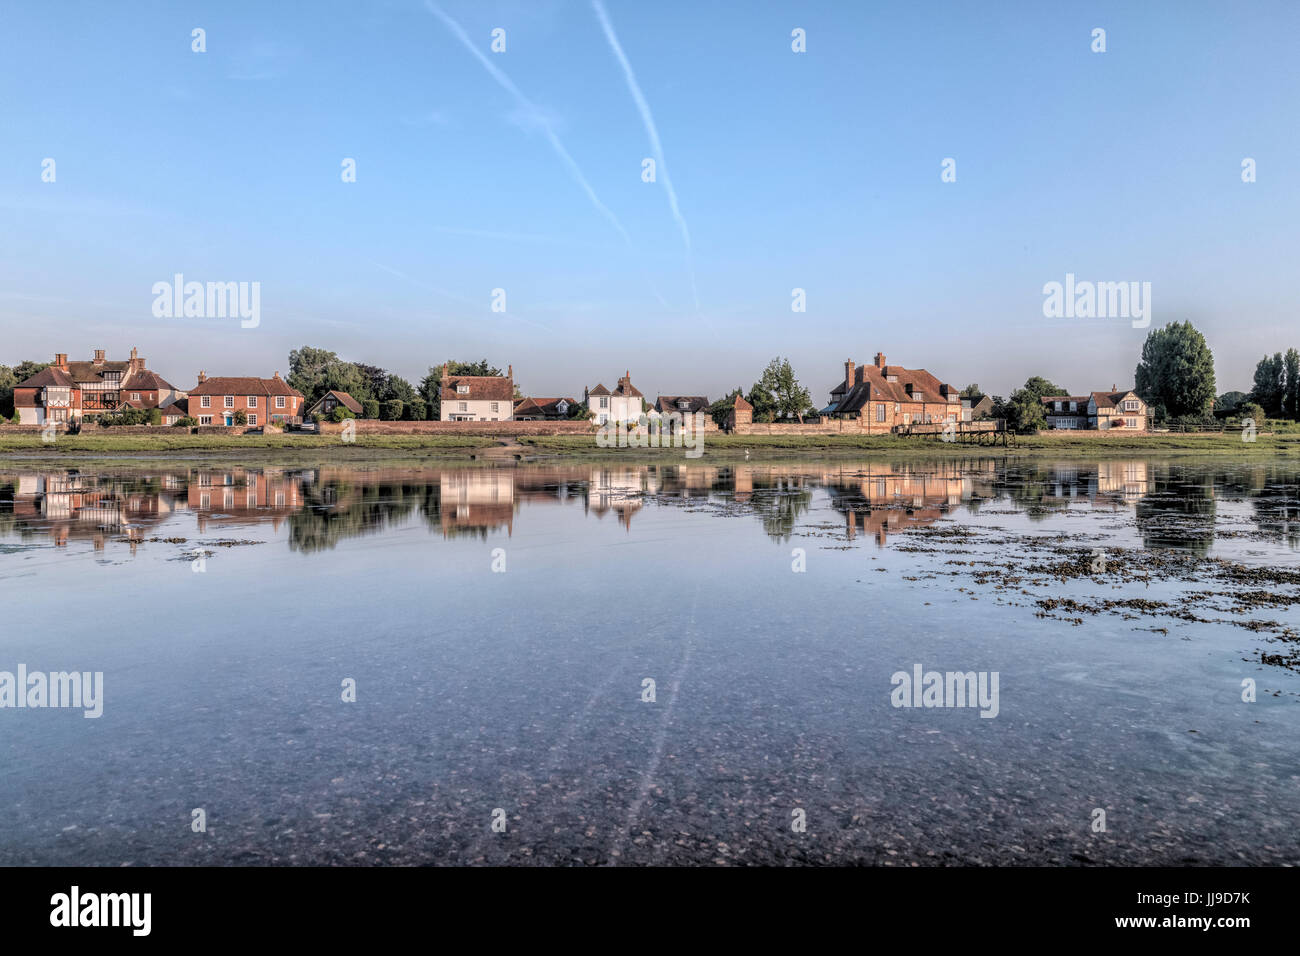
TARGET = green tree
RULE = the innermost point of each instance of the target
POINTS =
(1229, 402)
(1291, 402)
(1269, 390)
(971, 391)
(342, 413)
(416, 409)
(370, 408)
(1253, 412)
(1176, 371)
(241, 417)
(787, 397)
(391, 410)
(1024, 409)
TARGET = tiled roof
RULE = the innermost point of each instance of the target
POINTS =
(626, 389)
(147, 380)
(244, 385)
(740, 403)
(46, 377)
(871, 384)
(669, 403)
(599, 390)
(542, 406)
(1109, 398)
(90, 372)
(344, 399)
(497, 388)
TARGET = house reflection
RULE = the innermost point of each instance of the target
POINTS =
(1174, 506)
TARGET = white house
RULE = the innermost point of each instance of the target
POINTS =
(624, 404)
(477, 398)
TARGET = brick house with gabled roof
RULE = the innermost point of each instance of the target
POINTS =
(215, 401)
(477, 398)
(71, 391)
(681, 404)
(884, 397)
(623, 404)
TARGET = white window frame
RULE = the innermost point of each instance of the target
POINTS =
(205, 401)
(205, 419)
(229, 401)
(252, 420)
(252, 401)
(279, 401)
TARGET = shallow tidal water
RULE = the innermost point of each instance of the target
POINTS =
(500, 624)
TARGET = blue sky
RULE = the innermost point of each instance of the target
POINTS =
(818, 170)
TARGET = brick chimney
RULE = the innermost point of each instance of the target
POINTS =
(848, 375)
(99, 356)
(276, 375)
(61, 360)
(137, 363)
(510, 372)
(1114, 387)
(203, 376)
(880, 360)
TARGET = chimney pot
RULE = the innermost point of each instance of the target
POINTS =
(880, 360)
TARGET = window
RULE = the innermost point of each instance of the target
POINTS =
(463, 407)
(604, 401)
(252, 401)
(205, 419)
(135, 396)
(252, 419)
(279, 401)
(462, 389)
(206, 401)
(205, 501)
(496, 406)
(1131, 405)
(230, 401)
(880, 413)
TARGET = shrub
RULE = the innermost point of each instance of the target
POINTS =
(417, 410)
(391, 410)
(342, 413)
(186, 422)
(241, 418)
(370, 408)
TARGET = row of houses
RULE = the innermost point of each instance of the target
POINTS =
(880, 397)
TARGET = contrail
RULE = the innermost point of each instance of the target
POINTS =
(647, 118)
(540, 118)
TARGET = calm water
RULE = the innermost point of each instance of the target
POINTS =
(499, 624)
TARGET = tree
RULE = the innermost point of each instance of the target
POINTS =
(1270, 384)
(1176, 371)
(370, 408)
(241, 417)
(7, 382)
(1291, 402)
(416, 409)
(1024, 409)
(1229, 402)
(788, 398)
(1253, 412)
(972, 391)
(391, 411)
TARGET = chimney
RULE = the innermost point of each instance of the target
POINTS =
(99, 356)
(1113, 388)
(277, 374)
(880, 360)
(61, 360)
(203, 376)
(445, 367)
(510, 372)
(848, 375)
(137, 363)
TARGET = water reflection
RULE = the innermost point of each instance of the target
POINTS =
(1174, 505)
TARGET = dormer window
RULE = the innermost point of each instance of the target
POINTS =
(462, 389)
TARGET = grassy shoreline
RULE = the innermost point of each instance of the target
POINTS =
(29, 446)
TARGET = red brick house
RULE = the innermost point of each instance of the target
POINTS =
(884, 397)
(70, 392)
(742, 413)
(215, 401)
